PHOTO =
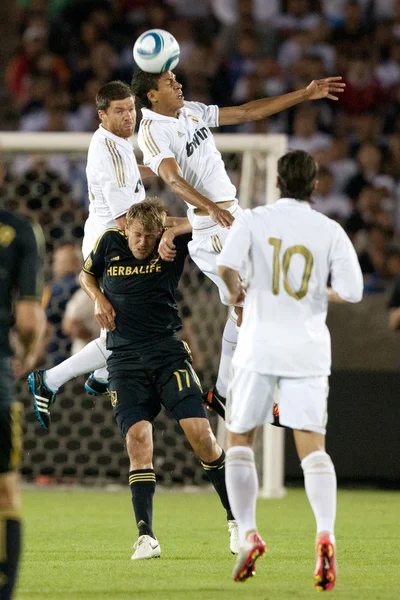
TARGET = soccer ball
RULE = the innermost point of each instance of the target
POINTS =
(156, 51)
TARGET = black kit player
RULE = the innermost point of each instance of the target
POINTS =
(20, 314)
(149, 365)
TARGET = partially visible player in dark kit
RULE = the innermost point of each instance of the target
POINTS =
(21, 244)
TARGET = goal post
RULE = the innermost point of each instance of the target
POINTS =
(251, 162)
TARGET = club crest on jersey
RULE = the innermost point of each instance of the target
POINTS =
(195, 119)
(199, 135)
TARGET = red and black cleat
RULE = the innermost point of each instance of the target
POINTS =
(325, 570)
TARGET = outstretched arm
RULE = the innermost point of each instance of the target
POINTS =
(260, 109)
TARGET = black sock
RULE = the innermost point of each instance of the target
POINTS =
(143, 485)
(216, 474)
(9, 554)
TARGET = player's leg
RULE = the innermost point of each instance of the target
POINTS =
(132, 397)
(10, 454)
(303, 407)
(249, 405)
(204, 250)
(44, 384)
(180, 392)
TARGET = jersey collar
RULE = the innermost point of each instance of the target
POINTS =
(115, 138)
(150, 114)
(304, 205)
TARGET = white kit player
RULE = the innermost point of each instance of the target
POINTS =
(290, 250)
(114, 184)
(177, 144)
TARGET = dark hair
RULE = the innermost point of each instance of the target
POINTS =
(142, 83)
(297, 172)
(150, 213)
(113, 90)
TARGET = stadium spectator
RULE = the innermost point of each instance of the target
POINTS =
(305, 131)
(79, 323)
(393, 269)
(53, 346)
(327, 201)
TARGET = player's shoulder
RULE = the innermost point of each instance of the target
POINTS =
(104, 142)
(15, 225)
(112, 236)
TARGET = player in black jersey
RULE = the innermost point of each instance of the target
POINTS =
(20, 294)
(149, 365)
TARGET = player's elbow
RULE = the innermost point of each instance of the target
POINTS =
(352, 296)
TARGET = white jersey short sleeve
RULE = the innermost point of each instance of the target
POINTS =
(291, 250)
(114, 183)
(189, 141)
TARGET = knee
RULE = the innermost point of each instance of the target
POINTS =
(207, 447)
(139, 444)
(318, 462)
(9, 493)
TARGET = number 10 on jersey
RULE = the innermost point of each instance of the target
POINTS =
(276, 243)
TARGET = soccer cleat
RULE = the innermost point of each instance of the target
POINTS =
(146, 547)
(42, 397)
(214, 401)
(233, 537)
(325, 570)
(253, 548)
(94, 387)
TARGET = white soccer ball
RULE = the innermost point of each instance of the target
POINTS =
(156, 51)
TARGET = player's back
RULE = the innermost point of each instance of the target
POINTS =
(20, 272)
(293, 250)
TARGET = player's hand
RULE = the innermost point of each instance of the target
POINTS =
(166, 247)
(221, 216)
(325, 88)
(104, 313)
(238, 295)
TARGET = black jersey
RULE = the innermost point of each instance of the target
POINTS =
(21, 263)
(142, 292)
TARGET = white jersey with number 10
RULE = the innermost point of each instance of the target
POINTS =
(290, 251)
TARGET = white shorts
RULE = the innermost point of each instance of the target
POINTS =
(303, 401)
(208, 239)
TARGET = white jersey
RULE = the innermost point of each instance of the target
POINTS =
(290, 250)
(114, 183)
(190, 142)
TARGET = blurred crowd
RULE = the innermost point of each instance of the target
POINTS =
(232, 52)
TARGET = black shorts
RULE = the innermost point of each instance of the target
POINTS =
(140, 383)
(10, 420)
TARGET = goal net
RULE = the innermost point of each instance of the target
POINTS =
(46, 180)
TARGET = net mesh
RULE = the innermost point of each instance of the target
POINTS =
(84, 443)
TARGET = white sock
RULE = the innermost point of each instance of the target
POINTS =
(93, 356)
(320, 484)
(101, 374)
(229, 339)
(242, 486)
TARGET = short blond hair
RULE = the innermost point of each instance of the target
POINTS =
(150, 213)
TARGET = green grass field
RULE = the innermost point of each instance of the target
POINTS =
(78, 546)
